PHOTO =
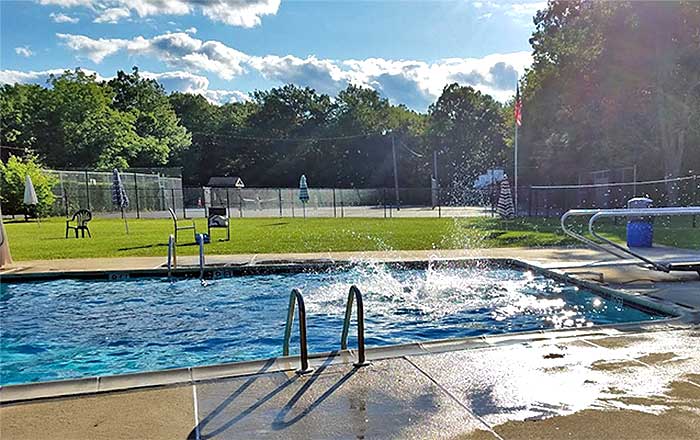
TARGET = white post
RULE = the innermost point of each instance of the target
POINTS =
(396, 172)
(515, 169)
(201, 256)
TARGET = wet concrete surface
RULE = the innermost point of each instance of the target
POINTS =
(155, 414)
(388, 399)
(642, 385)
(638, 387)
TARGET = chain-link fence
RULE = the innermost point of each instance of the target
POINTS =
(538, 201)
(148, 193)
(152, 195)
(338, 202)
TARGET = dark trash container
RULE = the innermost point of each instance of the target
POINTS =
(640, 229)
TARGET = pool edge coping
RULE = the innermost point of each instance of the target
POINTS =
(37, 391)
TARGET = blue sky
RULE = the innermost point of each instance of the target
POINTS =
(224, 49)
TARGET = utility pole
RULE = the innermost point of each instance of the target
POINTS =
(435, 174)
(396, 172)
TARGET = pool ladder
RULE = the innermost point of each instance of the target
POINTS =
(295, 298)
(172, 255)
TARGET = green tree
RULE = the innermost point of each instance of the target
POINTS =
(91, 133)
(24, 117)
(154, 119)
(613, 84)
(12, 181)
(467, 128)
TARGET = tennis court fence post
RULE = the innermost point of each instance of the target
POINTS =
(334, 209)
(87, 190)
(184, 211)
(695, 199)
(136, 193)
(279, 197)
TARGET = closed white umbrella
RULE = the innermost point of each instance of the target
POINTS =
(303, 192)
(29, 192)
(30, 198)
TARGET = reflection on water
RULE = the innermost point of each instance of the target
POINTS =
(74, 328)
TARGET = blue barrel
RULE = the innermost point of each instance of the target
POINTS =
(640, 233)
(640, 230)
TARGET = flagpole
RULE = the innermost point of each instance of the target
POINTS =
(515, 169)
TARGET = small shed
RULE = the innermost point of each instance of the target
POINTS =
(225, 182)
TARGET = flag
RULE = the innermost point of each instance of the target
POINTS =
(518, 109)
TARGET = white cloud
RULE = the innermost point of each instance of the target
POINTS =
(485, 16)
(112, 15)
(243, 13)
(67, 3)
(176, 49)
(220, 97)
(24, 51)
(63, 18)
(240, 12)
(175, 81)
(36, 77)
(525, 9)
(323, 75)
(186, 82)
(415, 83)
(192, 30)
(94, 50)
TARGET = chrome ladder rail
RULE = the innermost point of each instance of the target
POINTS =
(200, 240)
(621, 251)
(172, 255)
(297, 297)
(357, 295)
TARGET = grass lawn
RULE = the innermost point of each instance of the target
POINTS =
(30, 241)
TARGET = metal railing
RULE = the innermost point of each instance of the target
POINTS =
(357, 295)
(172, 255)
(200, 241)
(297, 297)
(618, 250)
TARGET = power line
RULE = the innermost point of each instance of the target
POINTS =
(605, 185)
(271, 139)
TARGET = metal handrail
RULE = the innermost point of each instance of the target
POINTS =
(621, 251)
(172, 255)
(200, 240)
(296, 297)
(357, 295)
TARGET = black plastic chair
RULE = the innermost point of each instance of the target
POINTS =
(81, 219)
(217, 217)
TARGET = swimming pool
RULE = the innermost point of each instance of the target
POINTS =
(71, 328)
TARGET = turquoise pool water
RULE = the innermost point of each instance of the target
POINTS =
(75, 328)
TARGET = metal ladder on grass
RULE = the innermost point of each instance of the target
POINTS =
(295, 298)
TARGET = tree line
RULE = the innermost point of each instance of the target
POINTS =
(270, 140)
(612, 84)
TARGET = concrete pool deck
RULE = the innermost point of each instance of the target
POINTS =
(618, 383)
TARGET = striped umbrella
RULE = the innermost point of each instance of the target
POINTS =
(119, 197)
(303, 192)
(505, 201)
